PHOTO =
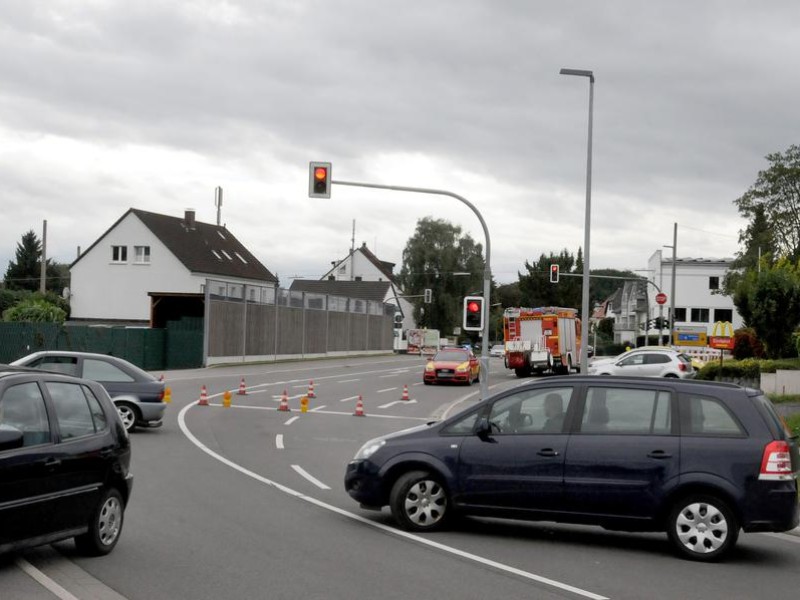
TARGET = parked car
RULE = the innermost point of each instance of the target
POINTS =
(699, 460)
(452, 365)
(64, 458)
(138, 395)
(651, 362)
(498, 350)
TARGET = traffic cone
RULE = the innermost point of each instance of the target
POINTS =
(311, 393)
(242, 390)
(203, 401)
(359, 408)
(226, 399)
(284, 406)
(405, 393)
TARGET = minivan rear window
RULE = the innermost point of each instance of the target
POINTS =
(777, 426)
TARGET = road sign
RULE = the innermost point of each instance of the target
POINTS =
(661, 298)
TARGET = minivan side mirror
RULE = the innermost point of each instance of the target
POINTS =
(10, 437)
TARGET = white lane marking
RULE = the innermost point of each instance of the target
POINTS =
(313, 480)
(418, 383)
(326, 412)
(397, 402)
(384, 528)
(43, 579)
(386, 390)
(291, 420)
(348, 399)
(317, 409)
(348, 380)
(389, 375)
(279, 441)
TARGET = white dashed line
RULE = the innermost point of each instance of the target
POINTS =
(279, 441)
(310, 478)
(292, 420)
(348, 380)
(397, 402)
(386, 390)
(318, 408)
(348, 399)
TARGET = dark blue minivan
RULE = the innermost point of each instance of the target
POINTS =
(698, 460)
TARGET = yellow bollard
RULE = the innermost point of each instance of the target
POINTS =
(226, 399)
(304, 404)
(167, 395)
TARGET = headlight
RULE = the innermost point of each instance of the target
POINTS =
(430, 367)
(462, 368)
(368, 449)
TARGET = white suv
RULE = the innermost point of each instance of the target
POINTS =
(647, 362)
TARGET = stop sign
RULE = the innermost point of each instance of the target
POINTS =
(661, 298)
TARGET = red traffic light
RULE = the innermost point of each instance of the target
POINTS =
(320, 173)
(554, 273)
(319, 180)
(473, 307)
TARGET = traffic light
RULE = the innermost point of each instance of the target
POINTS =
(473, 313)
(553, 273)
(428, 296)
(319, 180)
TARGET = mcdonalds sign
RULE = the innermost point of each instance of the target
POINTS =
(722, 336)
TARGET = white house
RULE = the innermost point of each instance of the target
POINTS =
(362, 265)
(146, 253)
(698, 281)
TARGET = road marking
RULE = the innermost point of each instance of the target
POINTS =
(418, 383)
(397, 402)
(348, 380)
(324, 412)
(380, 526)
(386, 390)
(317, 409)
(348, 399)
(279, 441)
(43, 579)
(389, 375)
(291, 420)
(313, 480)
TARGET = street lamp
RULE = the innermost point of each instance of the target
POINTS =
(674, 247)
(587, 224)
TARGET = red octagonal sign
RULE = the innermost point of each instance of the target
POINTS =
(661, 298)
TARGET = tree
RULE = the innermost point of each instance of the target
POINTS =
(24, 273)
(35, 309)
(772, 205)
(438, 257)
(769, 302)
(536, 289)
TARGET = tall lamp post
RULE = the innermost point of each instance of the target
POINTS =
(587, 225)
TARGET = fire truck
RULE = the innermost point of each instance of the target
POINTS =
(542, 339)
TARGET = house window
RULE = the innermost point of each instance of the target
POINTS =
(723, 314)
(680, 314)
(700, 315)
(141, 254)
(713, 283)
(119, 254)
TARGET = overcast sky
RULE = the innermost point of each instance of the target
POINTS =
(108, 105)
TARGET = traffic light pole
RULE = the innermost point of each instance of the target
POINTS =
(487, 274)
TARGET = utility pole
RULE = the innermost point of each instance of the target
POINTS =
(43, 270)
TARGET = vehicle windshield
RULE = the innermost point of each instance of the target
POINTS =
(452, 356)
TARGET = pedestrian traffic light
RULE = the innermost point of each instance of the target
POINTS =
(473, 313)
(319, 180)
(428, 295)
(553, 273)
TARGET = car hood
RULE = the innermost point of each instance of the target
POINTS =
(449, 364)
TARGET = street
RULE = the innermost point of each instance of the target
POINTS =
(248, 502)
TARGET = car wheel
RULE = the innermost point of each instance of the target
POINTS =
(105, 526)
(419, 502)
(671, 376)
(128, 414)
(702, 527)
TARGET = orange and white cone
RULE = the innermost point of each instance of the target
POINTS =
(203, 401)
(311, 393)
(284, 405)
(242, 390)
(359, 408)
(405, 393)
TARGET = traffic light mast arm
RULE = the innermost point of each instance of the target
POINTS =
(487, 273)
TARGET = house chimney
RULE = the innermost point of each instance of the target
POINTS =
(188, 219)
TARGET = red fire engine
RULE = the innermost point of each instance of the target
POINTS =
(542, 339)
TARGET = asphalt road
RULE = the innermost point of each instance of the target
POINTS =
(248, 502)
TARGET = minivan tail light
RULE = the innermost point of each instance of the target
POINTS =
(681, 366)
(776, 463)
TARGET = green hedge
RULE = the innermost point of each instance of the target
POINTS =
(749, 368)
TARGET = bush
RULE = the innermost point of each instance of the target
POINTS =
(749, 368)
(35, 310)
(747, 344)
